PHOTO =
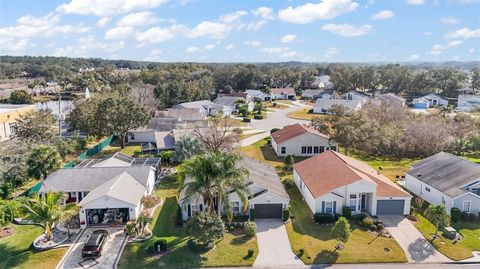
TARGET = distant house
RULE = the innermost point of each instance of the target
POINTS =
(446, 179)
(332, 180)
(300, 140)
(229, 103)
(267, 200)
(388, 98)
(356, 95)
(283, 93)
(108, 191)
(259, 94)
(322, 82)
(236, 94)
(9, 114)
(428, 101)
(324, 106)
(318, 94)
(468, 102)
(206, 107)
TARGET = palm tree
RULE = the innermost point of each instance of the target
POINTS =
(49, 209)
(143, 220)
(213, 176)
(42, 161)
(187, 147)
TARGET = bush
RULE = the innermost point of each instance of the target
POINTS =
(252, 214)
(286, 214)
(205, 227)
(250, 228)
(346, 212)
(149, 201)
(358, 217)
(380, 227)
(258, 117)
(472, 217)
(464, 216)
(197, 247)
(310, 111)
(323, 218)
(274, 104)
(20, 97)
(367, 221)
(455, 214)
(247, 120)
(373, 227)
(336, 216)
(250, 252)
(162, 243)
(130, 228)
(288, 184)
(301, 252)
(274, 130)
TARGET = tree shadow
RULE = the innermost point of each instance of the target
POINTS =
(13, 257)
(327, 256)
(240, 240)
(420, 250)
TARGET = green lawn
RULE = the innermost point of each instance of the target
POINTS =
(319, 246)
(16, 250)
(262, 151)
(231, 251)
(461, 250)
(303, 114)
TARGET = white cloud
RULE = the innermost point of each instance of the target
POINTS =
(252, 43)
(158, 34)
(209, 46)
(119, 32)
(428, 33)
(229, 47)
(283, 52)
(413, 57)
(324, 10)
(102, 22)
(464, 33)
(255, 26)
(384, 14)
(193, 50)
(86, 46)
(107, 7)
(450, 20)
(330, 52)
(472, 50)
(214, 30)
(438, 48)
(11, 45)
(347, 30)
(154, 55)
(138, 19)
(232, 17)
(288, 38)
(415, 2)
(265, 13)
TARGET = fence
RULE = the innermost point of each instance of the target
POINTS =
(84, 155)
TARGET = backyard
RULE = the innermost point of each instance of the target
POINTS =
(459, 251)
(231, 251)
(16, 250)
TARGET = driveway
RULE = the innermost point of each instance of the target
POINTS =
(278, 118)
(274, 246)
(416, 247)
(111, 250)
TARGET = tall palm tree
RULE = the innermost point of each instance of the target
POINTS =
(48, 210)
(213, 176)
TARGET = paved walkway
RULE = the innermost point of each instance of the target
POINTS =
(415, 246)
(274, 246)
(111, 250)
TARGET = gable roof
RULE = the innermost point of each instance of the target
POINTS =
(331, 170)
(328, 103)
(182, 114)
(290, 131)
(288, 91)
(227, 101)
(263, 176)
(429, 97)
(446, 173)
(256, 93)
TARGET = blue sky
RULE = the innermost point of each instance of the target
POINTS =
(244, 30)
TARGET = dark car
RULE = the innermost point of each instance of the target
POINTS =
(93, 246)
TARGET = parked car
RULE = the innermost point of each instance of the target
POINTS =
(94, 245)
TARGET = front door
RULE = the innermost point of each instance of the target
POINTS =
(364, 201)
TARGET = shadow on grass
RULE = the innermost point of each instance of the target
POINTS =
(11, 257)
(327, 256)
(239, 240)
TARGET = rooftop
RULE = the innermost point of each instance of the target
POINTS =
(290, 131)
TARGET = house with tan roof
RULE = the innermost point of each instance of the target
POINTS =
(300, 140)
(332, 180)
(283, 93)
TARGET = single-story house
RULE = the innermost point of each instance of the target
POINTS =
(468, 102)
(356, 95)
(428, 101)
(206, 107)
(259, 94)
(300, 140)
(446, 179)
(9, 114)
(322, 82)
(267, 198)
(236, 94)
(283, 93)
(388, 98)
(230, 103)
(331, 180)
(323, 106)
(108, 191)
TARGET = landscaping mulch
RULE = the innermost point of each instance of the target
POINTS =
(6, 232)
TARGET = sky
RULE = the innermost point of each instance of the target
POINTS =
(244, 30)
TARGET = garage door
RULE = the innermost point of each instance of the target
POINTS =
(390, 207)
(268, 211)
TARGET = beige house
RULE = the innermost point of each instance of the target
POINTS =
(9, 115)
(300, 140)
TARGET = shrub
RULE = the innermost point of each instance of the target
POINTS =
(286, 214)
(380, 227)
(301, 252)
(274, 104)
(274, 130)
(197, 247)
(336, 216)
(373, 227)
(258, 117)
(205, 228)
(252, 214)
(367, 221)
(20, 97)
(412, 217)
(250, 228)
(162, 243)
(288, 184)
(247, 119)
(464, 216)
(346, 212)
(149, 201)
(310, 111)
(472, 217)
(358, 217)
(250, 252)
(341, 230)
(455, 214)
(323, 218)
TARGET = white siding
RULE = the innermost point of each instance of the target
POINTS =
(269, 198)
(329, 197)
(294, 145)
(433, 196)
(275, 147)
(305, 192)
(141, 137)
(474, 202)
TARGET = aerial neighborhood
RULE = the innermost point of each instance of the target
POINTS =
(174, 134)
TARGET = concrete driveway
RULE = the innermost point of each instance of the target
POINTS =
(274, 248)
(278, 119)
(416, 247)
(73, 258)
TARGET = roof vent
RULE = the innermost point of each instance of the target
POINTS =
(419, 175)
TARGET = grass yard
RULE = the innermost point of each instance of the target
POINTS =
(16, 250)
(303, 114)
(278, 106)
(243, 136)
(460, 251)
(231, 251)
(319, 246)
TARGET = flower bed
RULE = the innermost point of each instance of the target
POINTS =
(59, 238)
(6, 231)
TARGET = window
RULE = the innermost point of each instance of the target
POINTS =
(304, 150)
(334, 148)
(309, 150)
(315, 149)
(132, 136)
(353, 202)
(427, 189)
(322, 149)
(466, 206)
(329, 207)
(443, 200)
(236, 207)
(195, 209)
(13, 128)
(283, 150)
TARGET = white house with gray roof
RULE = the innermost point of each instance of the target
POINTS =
(108, 191)
(446, 179)
(267, 198)
(468, 102)
(324, 106)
